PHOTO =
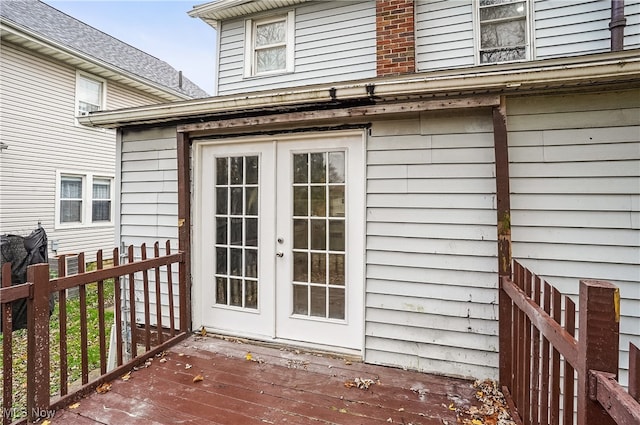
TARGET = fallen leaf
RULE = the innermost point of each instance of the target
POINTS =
(188, 366)
(163, 360)
(126, 376)
(342, 410)
(248, 356)
(452, 407)
(74, 406)
(390, 420)
(203, 331)
(476, 422)
(103, 388)
(198, 378)
(46, 422)
(347, 362)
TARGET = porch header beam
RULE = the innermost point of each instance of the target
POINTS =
(333, 114)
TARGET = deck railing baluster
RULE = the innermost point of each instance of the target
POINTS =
(145, 291)
(172, 319)
(117, 306)
(101, 325)
(156, 253)
(62, 324)
(132, 307)
(7, 347)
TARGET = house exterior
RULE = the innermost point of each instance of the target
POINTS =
(54, 171)
(368, 169)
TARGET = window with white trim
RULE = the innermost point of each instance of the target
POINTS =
(90, 94)
(269, 45)
(504, 30)
(83, 199)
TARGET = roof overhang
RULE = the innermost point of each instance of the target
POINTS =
(219, 10)
(30, 40)
(619, 69)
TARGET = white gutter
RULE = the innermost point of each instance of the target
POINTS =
(35, 37)
(585, 70)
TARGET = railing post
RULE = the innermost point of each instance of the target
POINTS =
(598, 343)
(38, 385)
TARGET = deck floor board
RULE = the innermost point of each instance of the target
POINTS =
(246, 383)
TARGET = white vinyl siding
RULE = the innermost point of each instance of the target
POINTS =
(334, 41)
(444, 34)
(632, 30)
(445, 37)
(575, 183)
(149, 203)
(149, 187)
(569, 28)
(38, 125)
(431, 301)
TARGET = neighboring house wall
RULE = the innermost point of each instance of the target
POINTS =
(446, 31)
(575, 184)
(334, 41)
(38, 125)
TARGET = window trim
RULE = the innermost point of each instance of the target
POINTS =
(87, 199)
(103, 98)
(529, 34)
(249, 44)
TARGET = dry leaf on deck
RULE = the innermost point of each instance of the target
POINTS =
(103, 388)
(74, 406)
(198, 378)
(126, 376)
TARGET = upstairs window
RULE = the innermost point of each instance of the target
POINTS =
(503, 30)
(89, 94)
(83, 200)
(269, 45)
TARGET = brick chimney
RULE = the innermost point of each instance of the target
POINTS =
(395, 37)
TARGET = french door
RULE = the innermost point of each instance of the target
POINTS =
(281, 239)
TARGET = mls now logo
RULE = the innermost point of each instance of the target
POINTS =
(14, 412)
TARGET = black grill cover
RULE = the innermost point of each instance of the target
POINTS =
(21, 252)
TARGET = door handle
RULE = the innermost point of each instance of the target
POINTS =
(279, 254)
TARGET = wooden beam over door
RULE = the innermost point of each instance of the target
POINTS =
(341, 113)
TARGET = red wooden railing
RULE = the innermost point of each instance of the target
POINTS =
(537, 326)
(147, 338)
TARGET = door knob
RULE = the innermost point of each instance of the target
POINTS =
(279, 254)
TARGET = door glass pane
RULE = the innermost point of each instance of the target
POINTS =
(319, 255)
(222, 172)
(318, 201)
(336, 269)
(252, 170)
(318, 170)
(336, 303)
(236, 224)
(336, 167)
(318, 234)
(251, 202)
(318, 267)
(300, 234)
(300, 201)
(318, 301)
(301, 168)
(336, 235)
(300, 299)
(336, 201)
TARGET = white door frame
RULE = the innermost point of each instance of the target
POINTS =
(268, 244)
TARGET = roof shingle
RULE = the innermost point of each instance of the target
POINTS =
(57, 26)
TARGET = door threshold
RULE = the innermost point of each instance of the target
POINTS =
(297, 347)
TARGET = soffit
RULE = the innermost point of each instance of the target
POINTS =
(220, 10)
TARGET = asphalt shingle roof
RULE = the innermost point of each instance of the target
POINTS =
(55, 25)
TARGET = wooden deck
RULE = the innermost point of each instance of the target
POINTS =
(215, 381)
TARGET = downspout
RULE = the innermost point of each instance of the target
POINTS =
(503, 209)
(617, 24)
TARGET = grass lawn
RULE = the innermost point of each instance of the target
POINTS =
(74, 358)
